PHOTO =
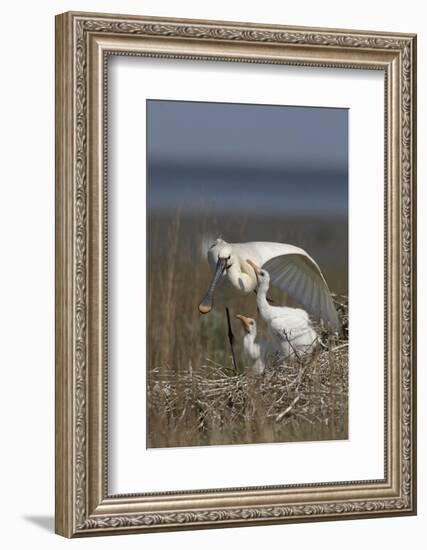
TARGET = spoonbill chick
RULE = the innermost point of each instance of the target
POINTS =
(256, 354)
(290, 327)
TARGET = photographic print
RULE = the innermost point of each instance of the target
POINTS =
(247, 273)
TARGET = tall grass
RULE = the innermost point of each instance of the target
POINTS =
(194, 396)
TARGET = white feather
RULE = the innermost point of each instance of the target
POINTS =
(291, 269)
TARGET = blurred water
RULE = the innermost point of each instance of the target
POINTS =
(304, 192)
(216, 157)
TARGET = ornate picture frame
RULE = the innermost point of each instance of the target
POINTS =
(83, 43)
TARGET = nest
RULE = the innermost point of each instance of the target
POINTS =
(305, 398)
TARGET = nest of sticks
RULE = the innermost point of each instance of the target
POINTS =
(305, 398)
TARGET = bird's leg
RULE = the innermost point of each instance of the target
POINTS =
(231, 339)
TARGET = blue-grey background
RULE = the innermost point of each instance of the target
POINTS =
(233, 157)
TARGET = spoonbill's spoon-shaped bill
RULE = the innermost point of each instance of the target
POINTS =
(207, 303)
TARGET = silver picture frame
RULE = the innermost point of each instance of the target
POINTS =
(84, 41)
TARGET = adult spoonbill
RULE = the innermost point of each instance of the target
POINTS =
(256, 354)
(290, 327)
(291, 269)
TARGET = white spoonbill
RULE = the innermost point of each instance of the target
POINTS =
(256, 354)
(290, 327)
(291, 269)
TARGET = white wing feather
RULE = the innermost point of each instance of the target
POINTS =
(292, 270)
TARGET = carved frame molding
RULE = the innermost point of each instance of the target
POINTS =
(83, 42)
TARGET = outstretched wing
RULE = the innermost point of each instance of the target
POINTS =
(294, 271)
(299, 275)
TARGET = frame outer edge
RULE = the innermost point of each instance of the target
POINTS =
(414, 270)
(64, 237)
(73, 517)
(233, 24)
(414, 256)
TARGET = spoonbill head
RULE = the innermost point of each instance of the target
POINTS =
(248, 324)
(262, 276)
(229, 271)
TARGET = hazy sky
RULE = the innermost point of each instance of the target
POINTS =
(254, 157)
